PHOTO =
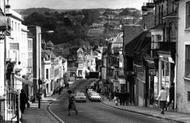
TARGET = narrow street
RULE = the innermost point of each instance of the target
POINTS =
(97, 112)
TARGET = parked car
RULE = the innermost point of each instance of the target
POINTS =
(94, 96)
(80, 97)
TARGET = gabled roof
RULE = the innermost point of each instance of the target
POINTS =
(48, 54)
(45, 55)
(50, 44)
(80, 50)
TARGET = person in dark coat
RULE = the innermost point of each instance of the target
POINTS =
(23, 101)
(72, 105)
(120, 98)
(171, 97)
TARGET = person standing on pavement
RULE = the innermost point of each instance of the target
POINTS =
(72, 105)
(23, 101)
(171, 95)
(163, 98)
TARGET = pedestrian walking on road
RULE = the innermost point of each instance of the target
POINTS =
(72, 105)
(163, 98)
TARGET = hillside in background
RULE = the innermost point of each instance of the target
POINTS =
(78, 28)
(26, 12)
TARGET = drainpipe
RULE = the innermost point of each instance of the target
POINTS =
(176, 63)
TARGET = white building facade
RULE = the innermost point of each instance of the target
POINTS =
(183, 57)
(3, 29)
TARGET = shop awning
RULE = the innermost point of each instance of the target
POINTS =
(150, 62)
(141, 44)
(23, 80)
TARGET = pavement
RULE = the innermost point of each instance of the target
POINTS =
(150, 111)
(42, 114)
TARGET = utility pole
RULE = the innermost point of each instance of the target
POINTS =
(146, 85)
(39, 94)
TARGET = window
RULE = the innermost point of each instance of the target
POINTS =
(187, 61)
(12, 25)
(56, 72)
(18, 27)
(15, 26)
(51, 85)
(158, 37)
(14, 46)
(152, 38)
(188, 95)
(30, 44)
(188, 14)
(30, 59)
(47, 86)
(47, 74)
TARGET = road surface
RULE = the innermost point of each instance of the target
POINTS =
(97, 112)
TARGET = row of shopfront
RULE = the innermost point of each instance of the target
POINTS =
(10, 102)
(138, 73)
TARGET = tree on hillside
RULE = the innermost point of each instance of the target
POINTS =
(134, 13)
(90, 16)
(69, 27)
(35, 19)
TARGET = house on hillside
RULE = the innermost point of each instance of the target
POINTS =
(81, 63)
(53, 70)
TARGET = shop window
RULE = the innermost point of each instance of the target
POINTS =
(187, 61)
(188, 14)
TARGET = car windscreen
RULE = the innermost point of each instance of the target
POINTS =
(80, 94)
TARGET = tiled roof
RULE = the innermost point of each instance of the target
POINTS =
(131, 32)
(139, 45)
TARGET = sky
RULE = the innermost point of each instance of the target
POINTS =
(77, 4)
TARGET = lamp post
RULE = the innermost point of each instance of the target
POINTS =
(39, 93)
